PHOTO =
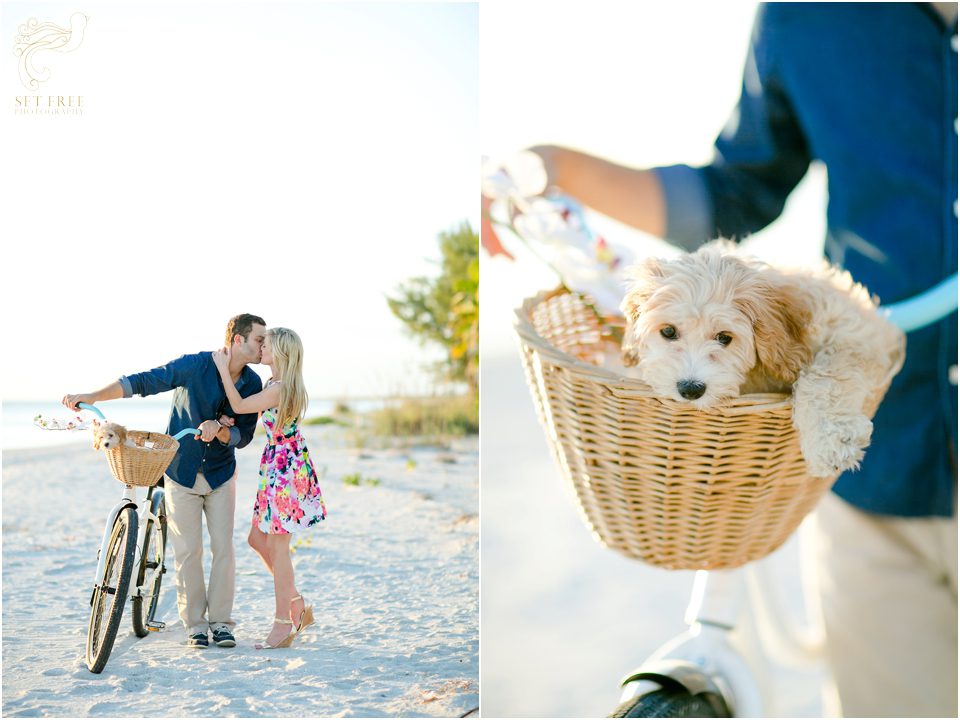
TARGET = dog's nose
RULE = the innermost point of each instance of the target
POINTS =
(691, 389)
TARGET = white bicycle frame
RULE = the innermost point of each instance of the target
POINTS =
(145, 514)
(705, 658)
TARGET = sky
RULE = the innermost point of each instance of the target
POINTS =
(292, 160)
(642, 84)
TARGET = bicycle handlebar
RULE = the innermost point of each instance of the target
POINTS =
(926, 308)
(91, 408)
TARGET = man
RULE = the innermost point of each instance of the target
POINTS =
(203, 472)
(871, 91)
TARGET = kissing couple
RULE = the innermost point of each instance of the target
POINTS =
(220, 395)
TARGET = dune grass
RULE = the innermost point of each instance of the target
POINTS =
(430, 417)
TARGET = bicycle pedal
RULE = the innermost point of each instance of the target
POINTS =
(155, 626)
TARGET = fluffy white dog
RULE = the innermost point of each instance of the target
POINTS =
(107, 436)
(710, 326)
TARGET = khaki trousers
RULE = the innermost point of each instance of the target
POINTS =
(203, 606)
(889, 594)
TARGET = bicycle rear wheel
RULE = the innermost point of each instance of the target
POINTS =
(109, 598)
(671, 703)
(152, 569)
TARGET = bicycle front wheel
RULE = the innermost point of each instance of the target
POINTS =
(150, 572)
(110, 596)
(671, 703)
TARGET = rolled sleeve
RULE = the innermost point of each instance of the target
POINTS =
(234, 437)
(127, 387)
(688, 204)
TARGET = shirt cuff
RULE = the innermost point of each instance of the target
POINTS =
(127, 387)
(234, 437)
(688, 205)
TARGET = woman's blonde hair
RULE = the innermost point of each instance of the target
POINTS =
(288, 357)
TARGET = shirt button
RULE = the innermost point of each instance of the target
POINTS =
(953, 43)
(954, 208)
(953, 374)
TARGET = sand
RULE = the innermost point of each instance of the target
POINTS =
(392, 574)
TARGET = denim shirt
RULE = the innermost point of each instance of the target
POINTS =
(871, 91)
(199, 396)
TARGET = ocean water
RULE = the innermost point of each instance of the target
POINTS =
(19, 430)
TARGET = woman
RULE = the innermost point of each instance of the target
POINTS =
(289, 498)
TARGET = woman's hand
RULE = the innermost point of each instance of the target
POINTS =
(221, 358)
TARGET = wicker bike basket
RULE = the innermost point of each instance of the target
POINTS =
(655, 479)
(144, 464)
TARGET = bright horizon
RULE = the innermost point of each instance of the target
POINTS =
(292, 160)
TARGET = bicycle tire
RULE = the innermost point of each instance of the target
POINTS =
(153, 554)
(668, 703)
(121, 551)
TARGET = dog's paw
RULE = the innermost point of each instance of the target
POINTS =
(836, 444)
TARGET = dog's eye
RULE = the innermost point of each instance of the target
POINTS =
(724, 339)
(669, 332)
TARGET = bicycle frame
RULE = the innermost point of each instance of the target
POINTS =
(129, 499)
(146, 514)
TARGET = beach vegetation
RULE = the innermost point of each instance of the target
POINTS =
(444, 310)
(441, 416)
(322, 420)
(357, 479)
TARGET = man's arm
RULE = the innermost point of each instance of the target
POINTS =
(631, 195)
(113, 391)
(161, 379)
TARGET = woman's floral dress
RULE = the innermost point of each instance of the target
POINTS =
(289, 496)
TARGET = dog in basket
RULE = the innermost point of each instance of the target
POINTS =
(110, 435)
(710, 326)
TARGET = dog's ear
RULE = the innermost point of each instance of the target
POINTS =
(643, 281)
(629, 346)
(780, 315)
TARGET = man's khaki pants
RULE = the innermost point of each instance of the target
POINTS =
(203, 606)
(889, 592)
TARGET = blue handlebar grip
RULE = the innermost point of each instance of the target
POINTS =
(185, 432)
(91, 408)
(924, 309)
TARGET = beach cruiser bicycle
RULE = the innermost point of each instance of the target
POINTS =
(131, 561)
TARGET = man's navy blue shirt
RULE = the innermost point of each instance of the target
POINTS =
(198, 396)
(871, 91)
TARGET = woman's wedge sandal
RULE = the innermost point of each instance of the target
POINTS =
(285, 642)
(306, 615)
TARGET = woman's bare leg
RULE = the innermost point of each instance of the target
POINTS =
(258, 541)
(278, 550)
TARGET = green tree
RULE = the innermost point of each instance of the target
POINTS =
(445, 309)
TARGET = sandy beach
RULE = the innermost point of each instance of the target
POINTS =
(392, 573)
